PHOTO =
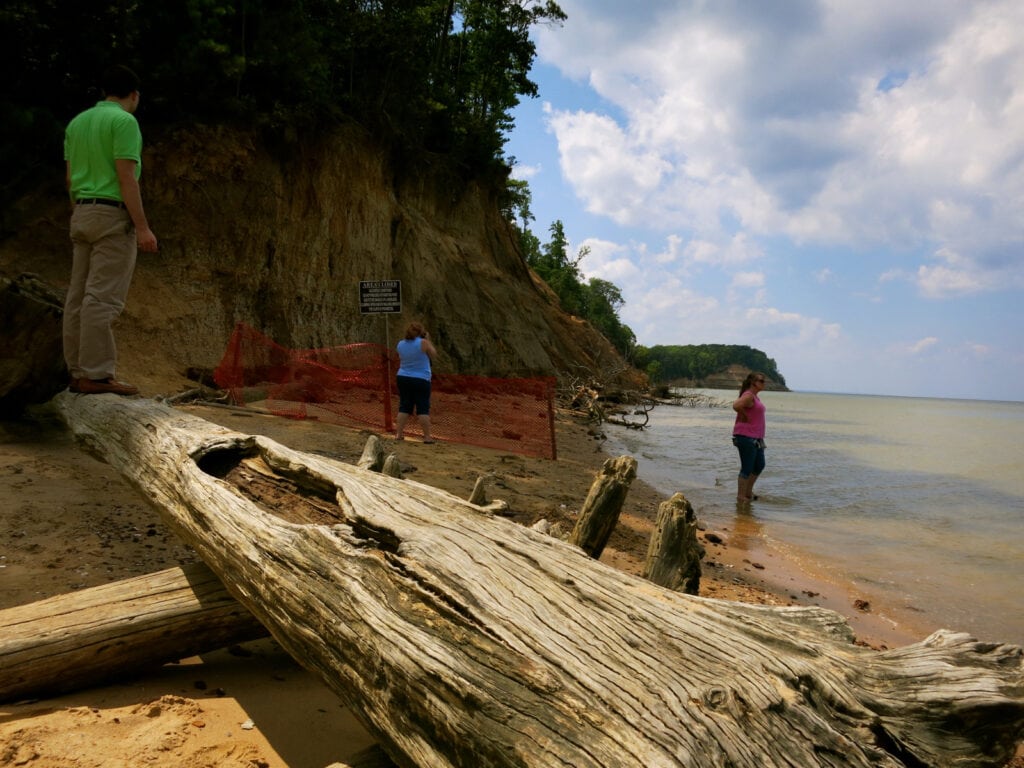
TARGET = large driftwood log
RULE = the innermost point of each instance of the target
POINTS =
(461, 639)
(603, 505)
(82, 638)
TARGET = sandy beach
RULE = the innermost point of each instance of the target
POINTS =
(70, 522)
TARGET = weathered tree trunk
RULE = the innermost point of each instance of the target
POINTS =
(674, 554)
(82, 638)
(462, 639)
(603, 505)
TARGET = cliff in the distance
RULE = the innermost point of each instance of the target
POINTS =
(730, 378)
(283, 244)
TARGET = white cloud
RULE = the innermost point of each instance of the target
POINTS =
(773, 123)
(612, 175)
(748, 280)
(979, 351)
(940, 281)
(792, 325)
(747, 288)
(893, 274)
(609, 261)
(865, 158)
(922, 346)
(525, 172)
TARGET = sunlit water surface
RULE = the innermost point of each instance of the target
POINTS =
(919, 501)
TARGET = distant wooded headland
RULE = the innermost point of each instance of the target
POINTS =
(711, 366)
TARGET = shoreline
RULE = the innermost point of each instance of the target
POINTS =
(743, 563)
(74, 523)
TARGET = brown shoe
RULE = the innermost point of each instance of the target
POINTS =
(100, 386)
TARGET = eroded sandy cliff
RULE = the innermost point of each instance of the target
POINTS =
(281, 243)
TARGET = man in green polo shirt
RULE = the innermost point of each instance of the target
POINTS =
(103, 155)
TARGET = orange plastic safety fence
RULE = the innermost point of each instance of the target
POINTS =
(354, 385)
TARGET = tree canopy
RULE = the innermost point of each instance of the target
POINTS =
(597, 301)
(440, 75)
(698, 361)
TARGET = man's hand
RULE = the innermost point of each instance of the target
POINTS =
(147, 240)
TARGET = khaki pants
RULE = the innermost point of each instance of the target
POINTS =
(101, 273)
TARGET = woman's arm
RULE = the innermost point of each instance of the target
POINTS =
(742, 403)
(427, 347)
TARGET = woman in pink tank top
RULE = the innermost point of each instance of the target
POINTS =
(748, 435)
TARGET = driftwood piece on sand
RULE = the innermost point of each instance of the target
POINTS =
(392, 467)
(462, 639)
(82, 638)
(674, 554)
(603, 505)
(478, 498)
(373, 455)
(479, 494)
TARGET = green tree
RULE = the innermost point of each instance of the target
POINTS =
(560, 272)
(516, 203)
(596, 301)
(440, 75)
(603, 302)
(701, 360)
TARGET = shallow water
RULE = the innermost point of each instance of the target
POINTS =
(917, 501)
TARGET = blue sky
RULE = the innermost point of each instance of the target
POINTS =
(838, 183)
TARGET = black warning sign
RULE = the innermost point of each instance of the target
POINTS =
(380, 297)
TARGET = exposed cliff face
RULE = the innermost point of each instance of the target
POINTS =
(730, 378)
(282, 245)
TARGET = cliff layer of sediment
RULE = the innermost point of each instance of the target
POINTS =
(281, 242)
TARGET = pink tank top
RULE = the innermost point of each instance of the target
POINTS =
(754, 425)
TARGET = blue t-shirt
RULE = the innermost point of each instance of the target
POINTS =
(414, 361)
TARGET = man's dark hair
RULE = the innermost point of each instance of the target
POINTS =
(119, 81)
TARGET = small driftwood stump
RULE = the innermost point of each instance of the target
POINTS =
(603, 505)
(674, 554)
(373, 454)
(479, 498)
(392, 466)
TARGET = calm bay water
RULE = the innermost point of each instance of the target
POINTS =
(917, 502)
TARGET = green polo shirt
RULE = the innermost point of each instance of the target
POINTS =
(93, 141)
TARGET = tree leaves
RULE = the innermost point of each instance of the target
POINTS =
(442, 75)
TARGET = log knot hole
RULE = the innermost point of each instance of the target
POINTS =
(720, 699)
(716, 697)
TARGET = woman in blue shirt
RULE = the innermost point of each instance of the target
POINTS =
(415, 353)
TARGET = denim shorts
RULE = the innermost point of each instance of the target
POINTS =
(413, 393)
(751, 455)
